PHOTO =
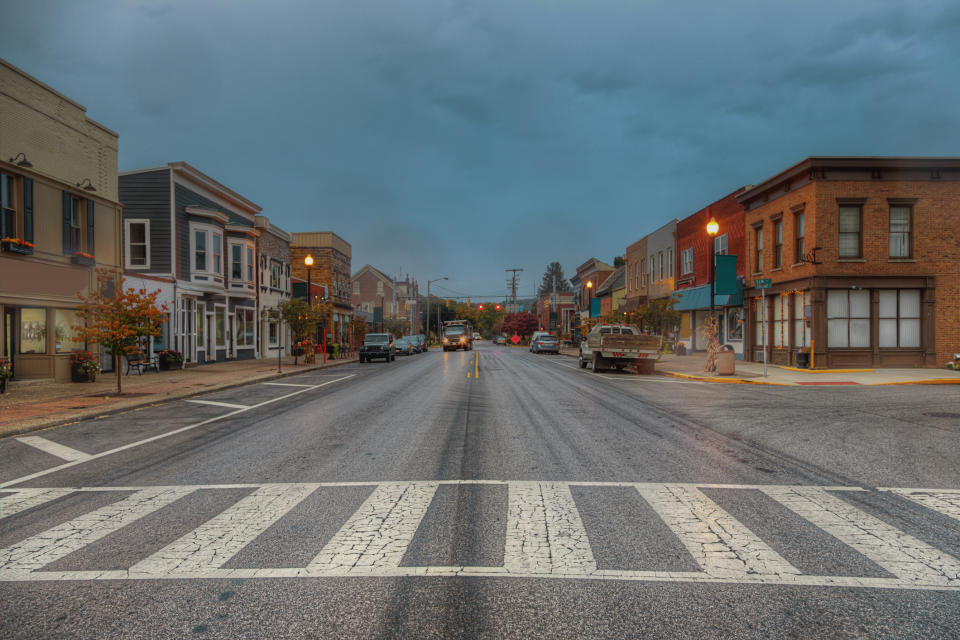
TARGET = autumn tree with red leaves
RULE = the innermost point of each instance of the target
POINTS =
(117, 318)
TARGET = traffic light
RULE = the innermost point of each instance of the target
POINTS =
(498, 307)
(481, 306)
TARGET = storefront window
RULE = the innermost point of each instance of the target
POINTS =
(848, 318)
(899, 317)
(272, 335)
(801, 328)
(66, 321)
(779, 321)
(758, 322)
(220, 321)
(33, 330)
(734, 324)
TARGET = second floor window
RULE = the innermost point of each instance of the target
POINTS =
(758, 249)
(778, 244)
(249, 264)
(900, 232)
(8, 210)
(217, 247)
(660, 260)
(200, 250)
(849, 225)
(137, 243)
(274, 275)
(721, 245)
(356, 287)
(236, 262)
(686, 261)
(798, 233)
(653, 268)
(76, 223)
(670, 263)
(643, 275)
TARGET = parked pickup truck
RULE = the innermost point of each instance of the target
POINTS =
(616, 346)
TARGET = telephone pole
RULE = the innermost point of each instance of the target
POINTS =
(512, 283)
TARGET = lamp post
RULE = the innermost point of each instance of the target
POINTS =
(712, 229)
(589, 299)
(308, 262)
(429, 282)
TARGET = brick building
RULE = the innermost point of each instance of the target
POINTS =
(60, 217)
(693, 273)
(374, 291)
(592, 272)
(274, 285)
(553, 312)
(635, 291)
(611, 291)
(331, 269)
(864, 255)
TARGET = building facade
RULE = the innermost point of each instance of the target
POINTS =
(693, 274)
(635, 293)
(864, 259)
(331, 269)
(59, 221)
(588, 277)
(661, 267)
(182, 224)
(274, 286)
(375, 292)
(554, 310)
(612, 291)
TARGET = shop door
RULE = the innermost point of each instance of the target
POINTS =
(9, 335)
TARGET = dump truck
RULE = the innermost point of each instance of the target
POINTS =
(618, 346)
(457, 334)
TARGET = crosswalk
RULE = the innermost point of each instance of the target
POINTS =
(543, 534)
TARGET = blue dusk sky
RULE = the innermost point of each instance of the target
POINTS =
(460, 138)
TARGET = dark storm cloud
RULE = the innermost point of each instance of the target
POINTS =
(462, 138)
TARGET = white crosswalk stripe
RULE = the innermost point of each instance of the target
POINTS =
(544, 535)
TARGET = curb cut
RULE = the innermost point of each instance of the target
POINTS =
(96, 415)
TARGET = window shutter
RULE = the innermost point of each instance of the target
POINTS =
(67, 246)
(28, 209)
(90, 247)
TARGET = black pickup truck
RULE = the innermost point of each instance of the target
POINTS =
(378, 345)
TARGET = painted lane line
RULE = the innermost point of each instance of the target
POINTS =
(216, 541)
(377, 535)
(160, 436)
(286, 384)
(545, 533)
(54, 448)
(719, 543)
(945, 502)
(904, 556)
(29, 498)
(51, 545)
(228, 405)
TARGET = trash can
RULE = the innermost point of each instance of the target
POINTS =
(725, 362)
(803, 359)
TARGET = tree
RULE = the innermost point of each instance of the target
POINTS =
(522, 323)
(619, 261)
(554, 273)
(397, 326)
(117, 318)
(658, 316)
(302, 320)
(358, 329)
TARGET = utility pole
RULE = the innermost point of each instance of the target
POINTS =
(513, 286)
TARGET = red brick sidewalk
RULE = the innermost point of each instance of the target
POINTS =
(30, 405)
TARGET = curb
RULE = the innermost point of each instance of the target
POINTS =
(930, 381)
(686, 376)
(824, 370)
(95, 415)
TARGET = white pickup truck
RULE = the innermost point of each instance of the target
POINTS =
(616, 346)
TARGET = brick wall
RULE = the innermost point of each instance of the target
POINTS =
(692, 232)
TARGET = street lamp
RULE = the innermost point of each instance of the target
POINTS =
(589, 298)
(308, 261)
(429, 282)
(712, 228)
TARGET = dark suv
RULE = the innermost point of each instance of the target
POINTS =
(378, 345)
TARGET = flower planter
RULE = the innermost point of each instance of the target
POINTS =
(164, 364)
(77, 375)
(13, 247)
(3, 385)
(83, 260)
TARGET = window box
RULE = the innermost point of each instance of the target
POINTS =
(81, 258)
(16, 245)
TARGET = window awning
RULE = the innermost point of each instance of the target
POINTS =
(699, 298)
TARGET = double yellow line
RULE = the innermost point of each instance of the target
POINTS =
(476, 366)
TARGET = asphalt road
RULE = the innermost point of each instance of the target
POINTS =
(490, 494)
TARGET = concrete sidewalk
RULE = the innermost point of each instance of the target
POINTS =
(691, 367)
(29, 405)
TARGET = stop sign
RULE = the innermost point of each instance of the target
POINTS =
(515, 339)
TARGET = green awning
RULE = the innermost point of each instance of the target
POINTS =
(699, 298)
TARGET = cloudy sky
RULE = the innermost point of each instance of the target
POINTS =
(459, 138)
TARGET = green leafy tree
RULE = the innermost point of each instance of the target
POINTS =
(397, 326)
(302, 320)
(554, 273)
(658, 316)
(619, 261)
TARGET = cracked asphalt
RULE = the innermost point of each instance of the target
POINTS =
(537, 500)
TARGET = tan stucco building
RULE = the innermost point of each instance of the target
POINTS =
(60, 219)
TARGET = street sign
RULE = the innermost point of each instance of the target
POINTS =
(515, 339)
(762, 283)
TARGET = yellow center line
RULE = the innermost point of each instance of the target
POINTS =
(476, 365)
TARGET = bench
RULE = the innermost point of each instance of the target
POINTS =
(139, 361)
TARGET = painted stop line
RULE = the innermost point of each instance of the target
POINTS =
(543, 534)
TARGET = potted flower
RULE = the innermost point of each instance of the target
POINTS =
(6, 371)
(170, 359)
(83, 258)
(84, 367)
(17, 245)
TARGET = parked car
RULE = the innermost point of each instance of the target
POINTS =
(404, 346)
(421, 342)
(378, 345)
(543, 342)
(477, 336)
(500, 340)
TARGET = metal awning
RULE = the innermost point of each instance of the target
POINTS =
(699, 298)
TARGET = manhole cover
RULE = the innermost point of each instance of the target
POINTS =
(942, 414)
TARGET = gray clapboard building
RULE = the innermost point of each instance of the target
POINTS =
(183, 226)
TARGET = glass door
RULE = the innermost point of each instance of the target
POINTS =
(9, 337)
